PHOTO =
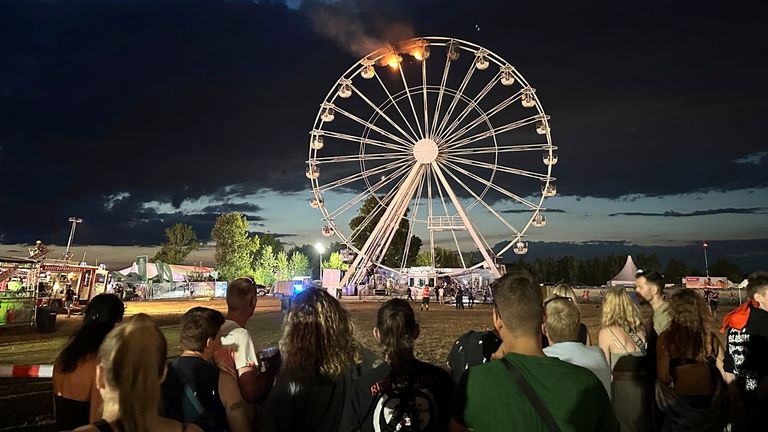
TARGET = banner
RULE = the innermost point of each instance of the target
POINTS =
(141, 264)
(164, 272)
(704, 282)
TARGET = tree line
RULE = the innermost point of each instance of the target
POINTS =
(264, 258)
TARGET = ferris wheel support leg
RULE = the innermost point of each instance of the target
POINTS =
(467, 224)
(384, 229)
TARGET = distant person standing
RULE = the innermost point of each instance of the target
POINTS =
(459, 298)
(714, 301)
(441, 294)
(69, 298)
(425, 297)
(471, 295)
(410, 294)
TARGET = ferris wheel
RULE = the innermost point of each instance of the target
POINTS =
(432, 138)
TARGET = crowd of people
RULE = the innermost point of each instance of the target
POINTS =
(537, 370)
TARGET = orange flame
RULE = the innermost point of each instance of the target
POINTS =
(392, 60)
(418, 54)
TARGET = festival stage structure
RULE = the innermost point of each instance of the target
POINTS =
(450, 142)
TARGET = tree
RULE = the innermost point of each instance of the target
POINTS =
(283, 266)
(267, 239)
(335, 262)
(181, 239)
(393, 256)
(676, 270)
(424, 259)
(266, 267)
(723, 267)
(299, 264)
(234, 248)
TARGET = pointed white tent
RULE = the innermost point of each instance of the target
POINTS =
(627, 274)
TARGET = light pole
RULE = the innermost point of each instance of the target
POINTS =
(706, 263)
(74, 221)
(320, 249)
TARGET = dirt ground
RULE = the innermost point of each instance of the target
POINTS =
(28, 403)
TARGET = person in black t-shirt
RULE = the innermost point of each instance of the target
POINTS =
(404, 394)
(194, 390)
(321, 359)
(69, 299)
(746, 356)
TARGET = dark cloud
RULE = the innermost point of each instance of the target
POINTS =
(672, 213)
(528, 211)
(216, 97)
(231, 207)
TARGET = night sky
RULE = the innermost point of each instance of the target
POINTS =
(137, 114)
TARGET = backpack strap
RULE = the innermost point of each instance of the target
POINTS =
(533, 398)
(103, 425)
(190, 395)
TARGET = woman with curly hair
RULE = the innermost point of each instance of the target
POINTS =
(622, 338)
(689, 360)
(320, 360)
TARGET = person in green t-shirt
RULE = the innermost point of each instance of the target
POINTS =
(488, 398)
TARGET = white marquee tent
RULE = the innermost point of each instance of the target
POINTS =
(626, 276)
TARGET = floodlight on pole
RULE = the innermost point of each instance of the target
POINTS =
(74, 221)
(320, 249)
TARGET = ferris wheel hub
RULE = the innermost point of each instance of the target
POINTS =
(425, 151)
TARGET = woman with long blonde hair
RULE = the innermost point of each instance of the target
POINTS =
(131, 365)
(689, 356)
(622, 339)
(320, 355)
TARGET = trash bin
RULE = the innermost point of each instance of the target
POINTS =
(45, 318)
(285, 303)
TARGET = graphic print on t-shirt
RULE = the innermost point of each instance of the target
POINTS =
(400, 406)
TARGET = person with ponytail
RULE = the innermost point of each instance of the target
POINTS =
(76, 399)
(402, 394)
(131, 366)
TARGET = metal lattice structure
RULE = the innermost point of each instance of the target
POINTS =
(436, 130)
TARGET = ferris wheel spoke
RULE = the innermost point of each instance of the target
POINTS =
(500, 149)
(424, 94)
(358, 157)
(412, 219)
(357, 139)
(440, 94)
(465, 219)
(381, 203)
(382, 114)
(375, 187)
(397, 107)
(475, 103)
(453, 233)
(484, 204)
(429, 215)
(373, 127)
(494, 167)
(410, 100)
(455, 100)
(496, 131)
(359, 176)
(491, 185)
(482, 117)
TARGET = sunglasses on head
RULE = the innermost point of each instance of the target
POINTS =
(557, 298)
